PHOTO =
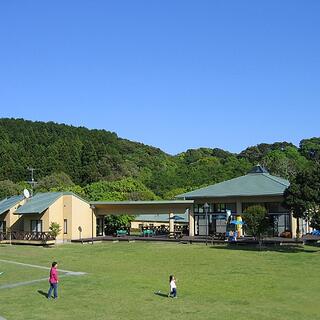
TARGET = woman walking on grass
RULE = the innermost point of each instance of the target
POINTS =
(53, 280)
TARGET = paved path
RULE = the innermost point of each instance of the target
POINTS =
(74, 273)
(19, 284)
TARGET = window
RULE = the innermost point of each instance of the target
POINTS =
(272, 207)
(36, 226)
(281, 223)
(275, 207)
(223, 207)
(65, 226)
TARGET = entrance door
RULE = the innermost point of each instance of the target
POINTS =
(36, 226)
(200, 225)
(100, 226)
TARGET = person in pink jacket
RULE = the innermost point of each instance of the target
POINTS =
(53, 280)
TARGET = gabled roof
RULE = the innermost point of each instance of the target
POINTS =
(258, 182)
(39, 203)
(7, 204)
(42, 201)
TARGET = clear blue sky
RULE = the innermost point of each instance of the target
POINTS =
(168, 73)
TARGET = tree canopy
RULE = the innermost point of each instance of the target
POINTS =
(72, 158)
(302, 197)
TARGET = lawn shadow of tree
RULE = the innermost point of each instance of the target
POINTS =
(277, 248)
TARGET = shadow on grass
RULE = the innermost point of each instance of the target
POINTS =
(42, 293)
(276, 248)
(160, 294)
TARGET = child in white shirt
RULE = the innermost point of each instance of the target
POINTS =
(173, 287)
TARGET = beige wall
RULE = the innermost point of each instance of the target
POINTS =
(82, 216)
(74, 210)
(67, 214)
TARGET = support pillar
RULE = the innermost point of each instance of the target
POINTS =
(171, 222)
(191, 223)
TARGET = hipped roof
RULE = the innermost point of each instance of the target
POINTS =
(258, 182)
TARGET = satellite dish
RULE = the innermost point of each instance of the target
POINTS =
(26, 193)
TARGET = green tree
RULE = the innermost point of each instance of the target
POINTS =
(56, 180)
(285, 163)
(257, 221)
(54, 229)
(114, 223)
(9, 188)
(125, 189)
(302, 197)
(310, 148)
(121, 190)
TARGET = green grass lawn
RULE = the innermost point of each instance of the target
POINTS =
(213, 282)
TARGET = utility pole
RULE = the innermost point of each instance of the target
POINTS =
(32, 182)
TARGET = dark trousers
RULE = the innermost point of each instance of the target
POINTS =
(54, 287)
(173, 293)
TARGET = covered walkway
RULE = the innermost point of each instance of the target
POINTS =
(169, 208)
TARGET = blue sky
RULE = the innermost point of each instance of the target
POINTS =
(172, 74)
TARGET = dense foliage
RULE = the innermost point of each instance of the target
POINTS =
(257, 221)
(303, 195)
(92, 162)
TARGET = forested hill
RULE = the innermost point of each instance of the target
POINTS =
(88, 156)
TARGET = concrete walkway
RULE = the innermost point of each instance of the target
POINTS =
(66, 273)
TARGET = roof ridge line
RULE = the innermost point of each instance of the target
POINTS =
(271, 177)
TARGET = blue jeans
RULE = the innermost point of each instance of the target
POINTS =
(173, 293)
(54, 287)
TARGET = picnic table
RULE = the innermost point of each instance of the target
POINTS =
(121, 233)
(148, 233)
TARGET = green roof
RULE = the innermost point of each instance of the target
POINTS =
(258, 182)
(39, 203)
(7, 204)
(42, 201)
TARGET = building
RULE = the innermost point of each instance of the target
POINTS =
(8, 207)
(81, 219)
(256, 187)
(70, 211)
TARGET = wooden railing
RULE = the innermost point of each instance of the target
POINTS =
(23, 235)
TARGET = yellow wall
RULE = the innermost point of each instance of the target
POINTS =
(76, 211)
(82, 217)
(67, 214)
